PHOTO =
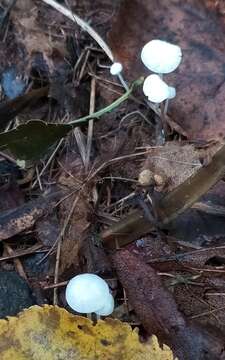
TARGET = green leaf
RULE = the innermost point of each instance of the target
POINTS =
(32, 140)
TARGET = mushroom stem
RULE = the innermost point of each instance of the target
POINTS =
(89, 316)
(166, 107)
(163, 121)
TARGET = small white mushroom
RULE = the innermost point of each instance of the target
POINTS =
(161, 57)
(157, 90)
(87, 293)
(116, 68)
(107, 308)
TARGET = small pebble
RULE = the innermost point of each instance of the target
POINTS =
(140, 243)
(12, 85)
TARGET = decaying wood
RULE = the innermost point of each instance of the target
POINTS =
(158, 312)
(23, 217)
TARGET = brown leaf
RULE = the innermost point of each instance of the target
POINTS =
(72, 177)
(200, 102)
(158, 311)
(32, 34)
(47, 229)
(11, 108)
(95, 259)
(174, 162)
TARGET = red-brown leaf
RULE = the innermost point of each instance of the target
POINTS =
(200, 103)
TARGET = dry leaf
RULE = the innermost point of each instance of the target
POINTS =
(32, 35)
(52, 333)
(174, 162)
(200, 102)
(71, 177)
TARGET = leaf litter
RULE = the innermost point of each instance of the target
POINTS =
(171, 282)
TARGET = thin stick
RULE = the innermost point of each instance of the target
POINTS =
(62, 232)
(56, 275)
(79, 136)
(83, 24)
(207, 313)
(53, 286)
(112, 161)
(90, 124)
(17, 262)
(110, 107)
(84, 66)
(48, 162)
(38, 178)
(31, 250)
(59, 240)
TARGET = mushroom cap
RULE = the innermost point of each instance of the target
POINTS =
(116, 68)
(108, 308)
(161, 57)
(156, 89)
(87, 293)
(172, 92)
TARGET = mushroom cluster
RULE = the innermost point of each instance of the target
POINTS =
(89, 293)
(161, 58)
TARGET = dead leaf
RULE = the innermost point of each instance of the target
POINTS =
(200, 102)
(174, 162)
(52, 333)
(71, 177)
(47, 229)
(95, 259)
(33, 36)
(11, 108)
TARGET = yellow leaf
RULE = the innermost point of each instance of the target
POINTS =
(52, 333)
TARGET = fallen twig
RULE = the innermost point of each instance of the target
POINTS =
(83, 24)
(23, 217)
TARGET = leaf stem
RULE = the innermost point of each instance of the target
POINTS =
(108, 108)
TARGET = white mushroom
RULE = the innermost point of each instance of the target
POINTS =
(116, 68)
(87, 293)
(107, 308)
(157, 90)
(161, 57)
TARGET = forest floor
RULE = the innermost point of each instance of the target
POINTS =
(109, 197)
